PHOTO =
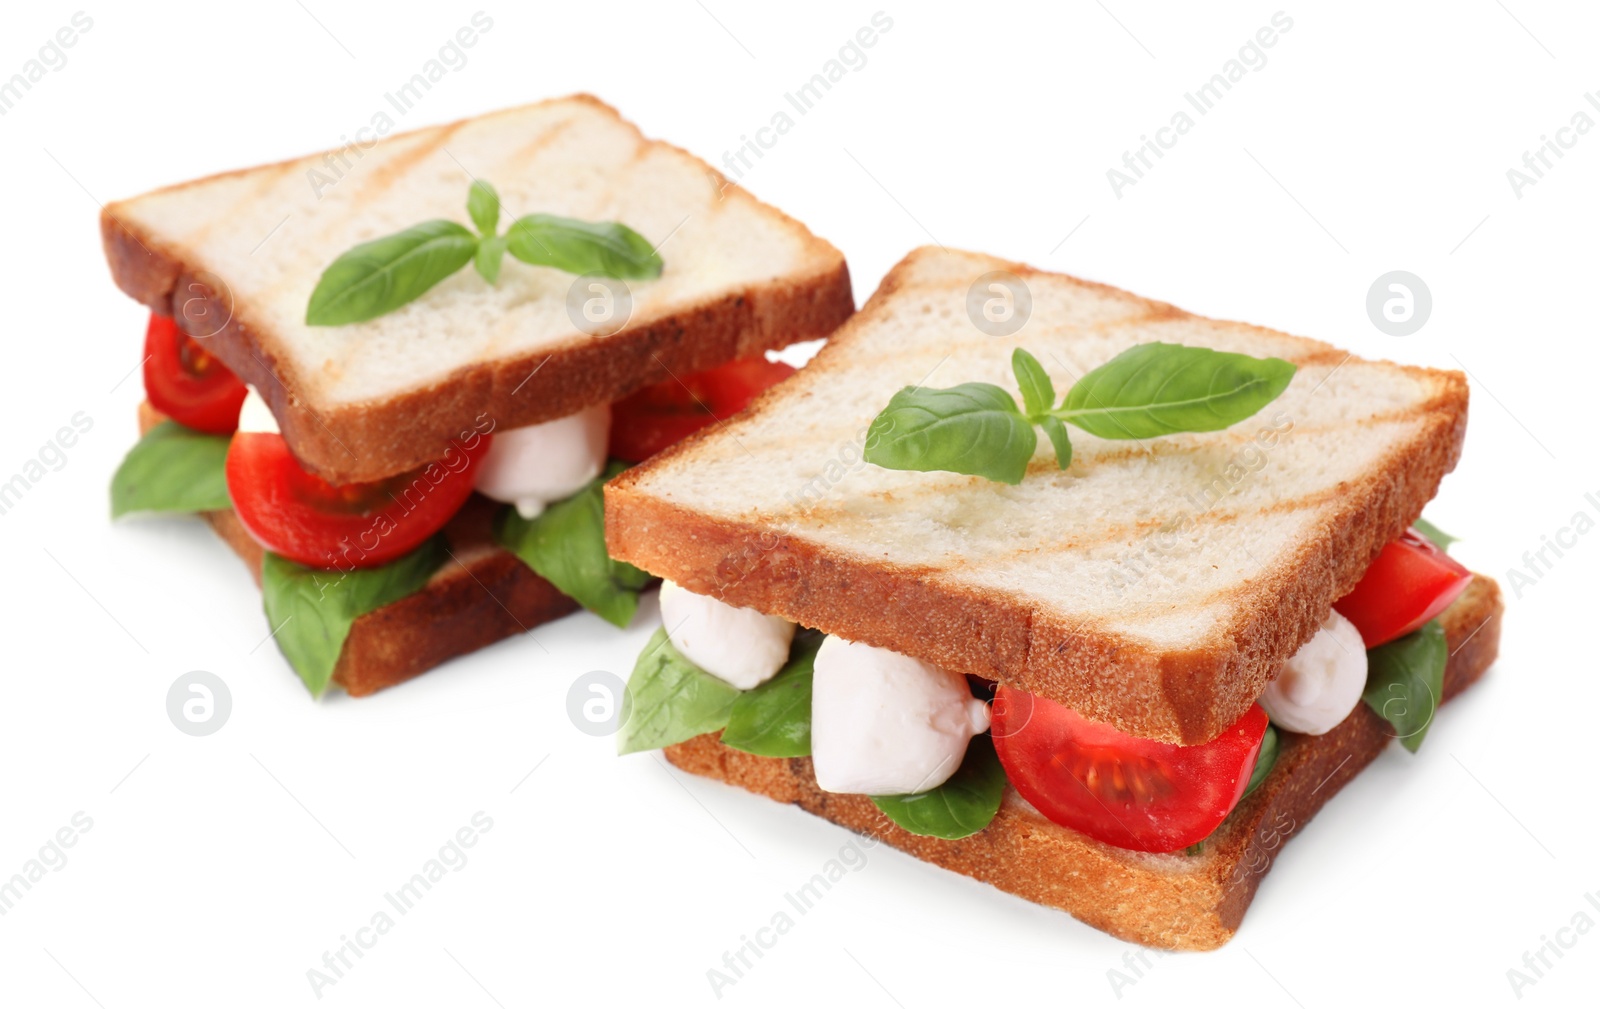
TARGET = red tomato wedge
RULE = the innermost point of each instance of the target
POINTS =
(665, 413)
(186, 383)
(305, 518)
(1409, 584)
(1116, 788)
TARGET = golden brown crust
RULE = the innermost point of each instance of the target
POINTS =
(1188, 697)
(368, 441)
(482, 595)
(1171, 901)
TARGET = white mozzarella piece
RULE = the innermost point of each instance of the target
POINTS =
(883, 723)
(1321, 683)
(737, 645)
(534, 466)
(254, 414)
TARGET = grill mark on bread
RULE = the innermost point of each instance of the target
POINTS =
(1332, 355)
(1127, 532)
(387, 173)
(940, 482)
(267, 180)
(269, 177)
(1238, 435)
(1104, 451)
(533, 148)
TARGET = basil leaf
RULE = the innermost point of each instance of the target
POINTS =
(1038, 393)
(379, 276)
(311, 610)
(1405, 681)
(491, 251)
(1057, 432)
(566, 545)
(1265, 758)
(1440, 538)
(172, 469)
(583, 247)
(961, 806)
(483, 206)
(1165, 388)
(670, 699)
(774, 719)
(974, 428)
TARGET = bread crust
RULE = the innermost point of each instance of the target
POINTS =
(1178, 901)
(1176, 696)
(482, 595)
(375, 439)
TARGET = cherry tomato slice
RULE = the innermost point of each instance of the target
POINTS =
(305, 518)
(1116, 788)
(186, 383)
(663, 414)
(1409, 584)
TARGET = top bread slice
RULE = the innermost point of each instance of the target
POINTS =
(1157, 585)
(236, 256)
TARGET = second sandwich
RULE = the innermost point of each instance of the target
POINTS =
(394, 376)
(1060, 588)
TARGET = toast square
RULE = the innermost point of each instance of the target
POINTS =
(1156, 585)
(235, 258)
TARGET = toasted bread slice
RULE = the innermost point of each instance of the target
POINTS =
(481, 595)
(1175, 901)
(235, 257)
(1156, 585)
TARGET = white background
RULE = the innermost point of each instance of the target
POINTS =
(219, 869)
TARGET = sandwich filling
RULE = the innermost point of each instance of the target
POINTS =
(936, 750)
(535, 466)
(347, 549)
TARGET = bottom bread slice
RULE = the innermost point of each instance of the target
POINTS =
(482, 595)
(1176, 901)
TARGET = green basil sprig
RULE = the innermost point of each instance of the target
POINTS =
(670, 699)
(961, 806)
(312, 609)
(172, 469)
(1146, 391)
(566, 546)
(774, 719)
(1405, 681)
(377, 277)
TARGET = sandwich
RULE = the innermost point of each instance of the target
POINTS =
(1066, 590)
(393, 376)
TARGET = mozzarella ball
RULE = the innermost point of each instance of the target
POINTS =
(883, 723)
(737, 645)
(255, 416)
(1321, 683)
(534, 466)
